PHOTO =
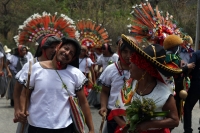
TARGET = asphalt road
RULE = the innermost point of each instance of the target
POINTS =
(7, 125)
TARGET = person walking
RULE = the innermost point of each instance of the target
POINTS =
(193, 92)
(49, 107)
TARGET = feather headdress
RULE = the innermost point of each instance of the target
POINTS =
(92, 34)
(38, 25)
(152, 25)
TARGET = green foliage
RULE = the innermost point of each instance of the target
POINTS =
(112, 14)
(140, 110)
(97, 88)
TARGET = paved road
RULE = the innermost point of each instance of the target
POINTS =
(7, 126)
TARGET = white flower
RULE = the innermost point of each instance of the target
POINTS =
(77, 35)
(21, 27)
(132, 12)
(129, 26)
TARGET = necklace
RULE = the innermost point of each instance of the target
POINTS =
(141, 92)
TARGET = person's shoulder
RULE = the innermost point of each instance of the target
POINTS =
(73, 69)
(115, 55)
(163, 88)
(110, 67)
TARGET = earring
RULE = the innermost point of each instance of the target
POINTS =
(142, 78)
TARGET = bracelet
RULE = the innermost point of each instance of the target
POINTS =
(122, 127)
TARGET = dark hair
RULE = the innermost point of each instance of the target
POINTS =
(66, 40)
(109, 48)
(16, 50)
(118, 40)
(46, 43)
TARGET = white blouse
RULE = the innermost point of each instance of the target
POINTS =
(104, 61)
(49, 104)
(22, 75)
(13, 62)
(112, 79)
(1, 56)
(159, 94)
(82, 64)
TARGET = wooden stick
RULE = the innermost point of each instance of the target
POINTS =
(102, 122)
(26, 92)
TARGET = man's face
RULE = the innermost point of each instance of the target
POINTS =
(50, 51)
(66, 53)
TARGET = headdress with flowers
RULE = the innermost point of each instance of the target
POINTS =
(38, 25)
(92, 34)
(152, 25)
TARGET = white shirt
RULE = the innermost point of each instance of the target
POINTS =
(22, 75)
(104, 61)
(159, 94)
(29, 56)
(49, 104)
(83, 66)
(13, 62)
(112, 79)
(7, 55)
(97, 55)
(1, 56)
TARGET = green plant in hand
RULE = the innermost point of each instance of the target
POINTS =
(97, 88)
(141, 110)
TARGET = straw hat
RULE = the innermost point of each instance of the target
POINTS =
(154, 54)
(172, 41)
(6, 49)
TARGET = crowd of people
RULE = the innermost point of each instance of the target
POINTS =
(79, 61)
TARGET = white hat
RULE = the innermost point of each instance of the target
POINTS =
(6, 49)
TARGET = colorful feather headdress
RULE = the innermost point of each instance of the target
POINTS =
(152, 25)
(91, 34)
(38, 25)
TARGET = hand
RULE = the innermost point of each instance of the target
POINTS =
(183, 63)
(1, 73)
(9, 75)
(144, 126)
(20, 117)
(191, 65)
(103, 111)
(91, 131)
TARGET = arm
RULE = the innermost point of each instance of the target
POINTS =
(1, 66)
(86, 110)
(93, 74)
(104, 99)
(8, 70)
(16, 96)
(25, 95)
(171, 120)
